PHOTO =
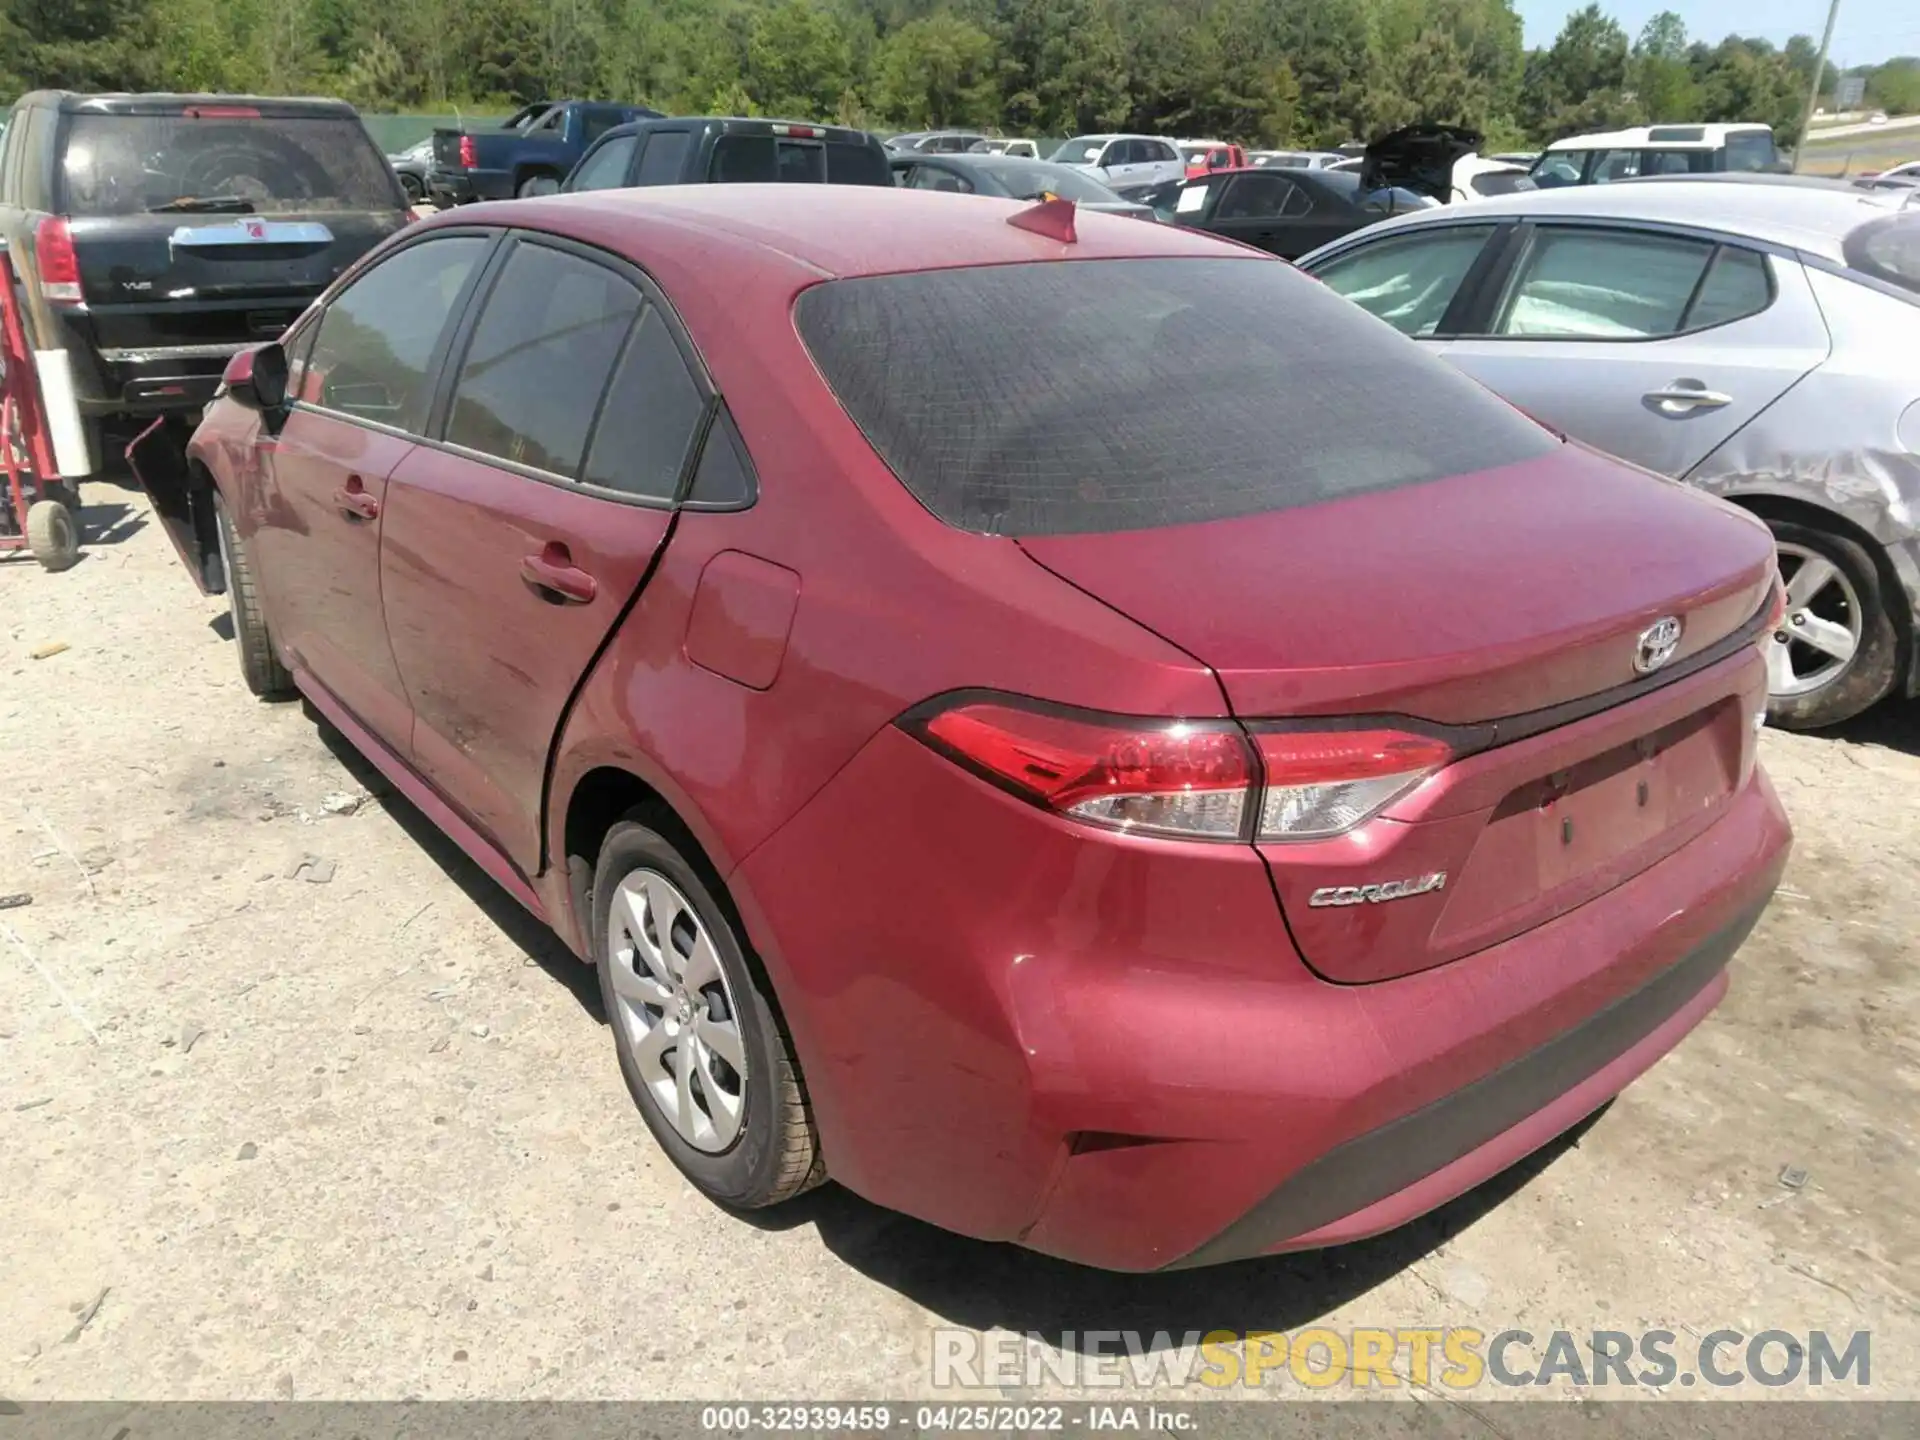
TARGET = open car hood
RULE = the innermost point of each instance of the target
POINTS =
(1418, 158)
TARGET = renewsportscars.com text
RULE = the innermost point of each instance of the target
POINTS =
(1454, 1358)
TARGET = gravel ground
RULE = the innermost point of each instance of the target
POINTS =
(267, 1136)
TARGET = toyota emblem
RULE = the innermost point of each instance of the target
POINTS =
(1656, 644)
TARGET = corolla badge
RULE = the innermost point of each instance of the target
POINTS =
(1375, 894)
(1656, 645)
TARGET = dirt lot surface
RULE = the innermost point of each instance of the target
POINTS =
(265, 1136)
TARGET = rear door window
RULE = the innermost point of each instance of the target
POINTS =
(1258, 195)
(132, 164)
(378, 338)
(1408, 281)
(537, 364)
(664, 158)
(606, 168)
(1602, 284)
(1142, 392)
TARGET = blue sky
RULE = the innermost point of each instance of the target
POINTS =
(1868, 31)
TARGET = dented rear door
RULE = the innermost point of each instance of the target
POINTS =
(1652, 346)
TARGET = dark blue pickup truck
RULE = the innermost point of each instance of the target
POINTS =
(529, 153)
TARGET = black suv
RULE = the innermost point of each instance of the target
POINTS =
(716, 150)
(156, 235)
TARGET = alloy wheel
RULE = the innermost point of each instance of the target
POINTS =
(1816, 640)
(676, 1015)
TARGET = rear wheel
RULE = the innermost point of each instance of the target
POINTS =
(538, 185)
(700, 1041)
(260, 666)
(415, 187)
(53, 534)
(1836, 651)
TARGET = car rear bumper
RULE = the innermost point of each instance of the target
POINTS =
(160, 380)
(459, 187)
(1106, 1048)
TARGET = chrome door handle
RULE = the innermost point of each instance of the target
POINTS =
(1683, 397)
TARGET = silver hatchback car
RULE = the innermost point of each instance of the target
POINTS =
(1757, 336)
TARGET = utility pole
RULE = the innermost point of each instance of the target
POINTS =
(1813, 91)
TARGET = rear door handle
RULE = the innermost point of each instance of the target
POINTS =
(551, 571)
(354, 501)
(1684, 397)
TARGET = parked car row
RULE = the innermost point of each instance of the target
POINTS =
(832, 607)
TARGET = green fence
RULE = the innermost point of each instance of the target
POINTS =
(394, 133)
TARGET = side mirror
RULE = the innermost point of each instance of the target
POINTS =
(257, 378)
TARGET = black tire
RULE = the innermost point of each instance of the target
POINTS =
(776, 1154)
(53, 534)
(260, 665)
(1870, 674)
(415, 187)
(538, 185)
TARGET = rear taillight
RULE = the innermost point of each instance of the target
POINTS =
(58, 266)
(1325, 782)
(1190, 779)
(1198, 779)
(468, 153)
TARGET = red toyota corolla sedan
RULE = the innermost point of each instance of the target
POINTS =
(1073, 730)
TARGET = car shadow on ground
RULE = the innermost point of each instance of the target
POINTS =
(985, 1285)
(1894, 724)
(534, 939)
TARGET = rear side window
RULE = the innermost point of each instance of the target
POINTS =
(377, 339)
(649, 419)
(131, 164)
(605, 168)
(853, 163)
(666, 153)
(1737, 285)
(539, 359)
(1141, 393)
(1409, 280)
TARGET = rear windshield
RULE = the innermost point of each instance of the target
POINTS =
(1104, 395)
(1888, 249)
(129, 164)
(766, 159)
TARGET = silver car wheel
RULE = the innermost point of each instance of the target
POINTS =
(676, 1015)
(1816, 640)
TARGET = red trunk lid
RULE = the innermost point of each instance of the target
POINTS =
(1463, 601)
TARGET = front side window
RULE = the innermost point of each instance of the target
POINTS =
(1408, 281)
(1616, 165)
(1560, 167)
(1142, 392)
(539, 359)
(605, 168)
(1751, 150)
(1602, 285)
(378, 337)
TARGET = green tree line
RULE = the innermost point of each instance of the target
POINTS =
(1267, 71)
